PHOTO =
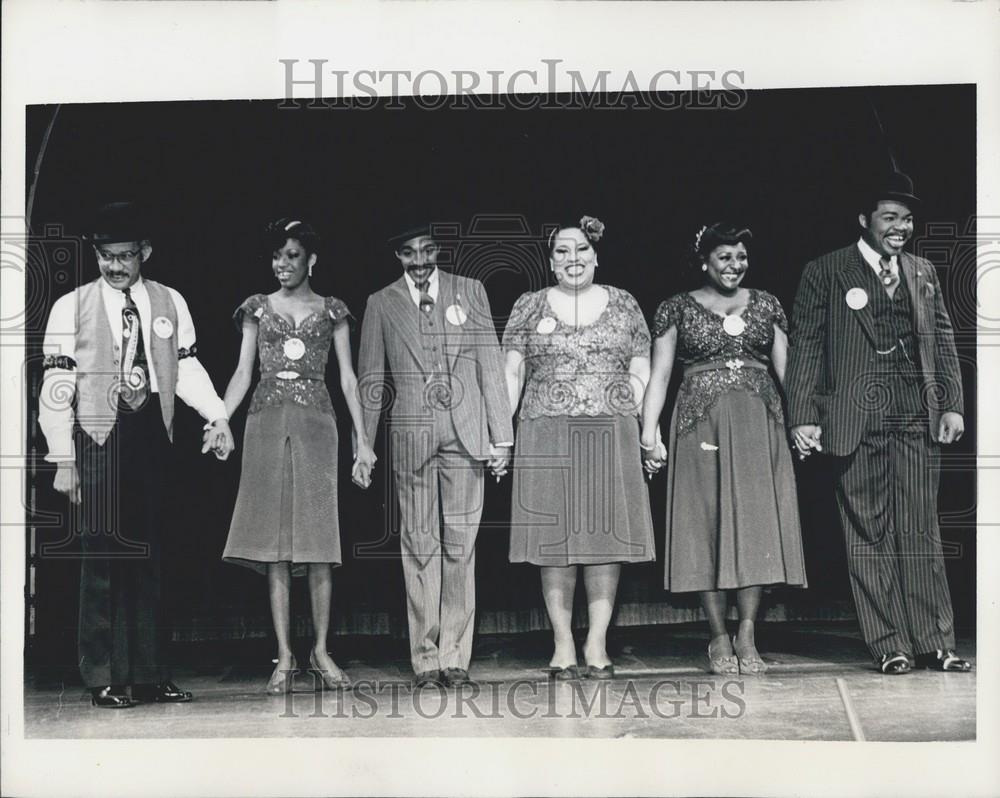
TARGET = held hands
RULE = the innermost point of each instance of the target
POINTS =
(950, 428)
(806, 438)
(654, 457)
(364, 465)
(218, 438)
(67, 480)
(499, 460)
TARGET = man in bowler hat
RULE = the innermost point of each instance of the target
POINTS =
(873, 379)
(118, 350)
(449, 415)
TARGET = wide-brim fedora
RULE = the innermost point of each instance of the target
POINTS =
(409, 232)
(118, 222)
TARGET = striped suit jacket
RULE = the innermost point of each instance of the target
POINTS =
(834, 371)
(391, 333)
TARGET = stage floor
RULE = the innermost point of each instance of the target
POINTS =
(820, 686)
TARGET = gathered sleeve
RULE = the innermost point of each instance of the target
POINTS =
(521, 322)
(338, 311)
(775, 311)
(668, 314)
(252, 308)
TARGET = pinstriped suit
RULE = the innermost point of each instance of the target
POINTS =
(448, 403)
(888, 467)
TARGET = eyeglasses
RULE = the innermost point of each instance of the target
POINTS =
(123, 258)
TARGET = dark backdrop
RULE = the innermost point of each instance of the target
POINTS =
(787, 164)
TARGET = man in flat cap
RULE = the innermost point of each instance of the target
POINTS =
(449, 415)
(118, 350)
(873, 379)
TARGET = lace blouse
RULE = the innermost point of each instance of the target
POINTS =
(286, 349)
(702, 339)
(577, 371)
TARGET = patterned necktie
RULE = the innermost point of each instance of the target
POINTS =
(887, 276)
(426, 301)
(135, 369)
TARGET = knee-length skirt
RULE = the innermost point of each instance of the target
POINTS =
(579, 497)
(286, 509)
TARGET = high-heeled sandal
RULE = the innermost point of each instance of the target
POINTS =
(722, 666)
(281, 680)
(751, 664)
(326, 680)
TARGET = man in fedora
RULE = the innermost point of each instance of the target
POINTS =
(450, 415)
(873, 379)
(118, 350)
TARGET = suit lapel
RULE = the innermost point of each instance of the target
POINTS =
(908, 269)
(856, 274)
(453, 334)
(403, 313)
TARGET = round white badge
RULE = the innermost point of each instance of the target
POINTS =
(546, 325)
(455, 315)
(734, 325)
(163, 327)
(856, 298)
(294, 348)
(136, 378)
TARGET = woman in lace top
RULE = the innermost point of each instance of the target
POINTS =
(285, 521)
(732, 513)
(580, 353)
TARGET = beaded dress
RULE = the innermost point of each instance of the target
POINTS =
(732, 511)
(286, 509)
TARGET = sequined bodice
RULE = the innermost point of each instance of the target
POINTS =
(577, 371)
(292, 357)
(702, 339)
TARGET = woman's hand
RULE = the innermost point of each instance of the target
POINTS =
(364, 464)
(654, 458)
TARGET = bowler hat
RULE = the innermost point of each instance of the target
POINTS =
(894, 186)
(118, 222)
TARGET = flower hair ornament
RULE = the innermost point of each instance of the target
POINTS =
(697, 237)
(592, 227)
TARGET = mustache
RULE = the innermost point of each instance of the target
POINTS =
(419, 266)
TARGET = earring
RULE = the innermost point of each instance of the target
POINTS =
(704, 267)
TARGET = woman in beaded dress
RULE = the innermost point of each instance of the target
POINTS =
(285, 522)
(580, 353)
(732, 512)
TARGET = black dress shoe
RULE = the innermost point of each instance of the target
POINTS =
(569, 673)
(455, 677)
(601, 674)
(427, 679)
(895, 663)
(111, 697)
(943, 660)
(162, 693)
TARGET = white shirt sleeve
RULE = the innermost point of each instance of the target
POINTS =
(194, 386)
(55, 401)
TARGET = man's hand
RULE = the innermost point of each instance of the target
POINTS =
(950, 428)
(499, 460)
(364, 464)
(806, 438)
(67, 481)
(219, 438)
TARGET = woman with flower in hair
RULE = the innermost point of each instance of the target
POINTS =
(732, 513)
(579, 353)
(285, 522)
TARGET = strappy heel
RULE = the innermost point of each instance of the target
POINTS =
(326, 680)
(751, 664)
(281, 680)
(722, 666)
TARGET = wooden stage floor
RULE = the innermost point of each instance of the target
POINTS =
(820, 686)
